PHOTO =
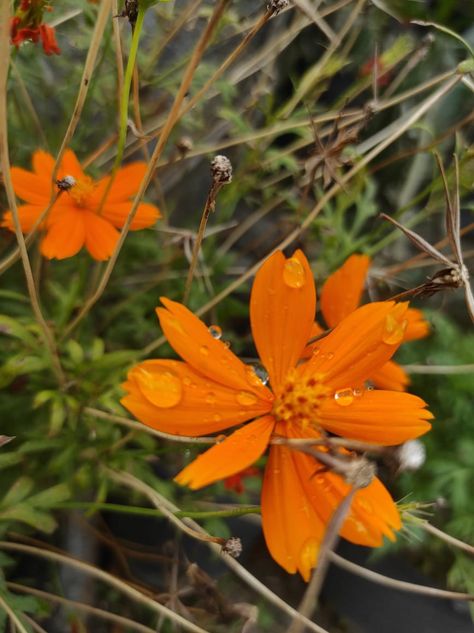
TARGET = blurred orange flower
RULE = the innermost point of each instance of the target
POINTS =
(74, 220)
(212, 390)
(342, 294)
(27, 25)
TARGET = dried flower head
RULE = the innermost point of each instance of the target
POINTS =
(221, 170)
(275, 6)
(233, 547)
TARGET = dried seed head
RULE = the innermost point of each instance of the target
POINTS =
(221, 170)
(359, 472)
(275, 6)
(233, 547)
(66, 183)
(184, 144)
(411, 455)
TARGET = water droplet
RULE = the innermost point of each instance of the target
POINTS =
(394, 330)
(215, 331)
(210, 398)
(294, 274)
(204, 350)
(316, 351)
(256, 375)
(344, 397)
(246, 399)
(162, 387)
(227, 344)
(320, 479)
(358, 392)
(216, 417)
(187, 381)
(330, 355)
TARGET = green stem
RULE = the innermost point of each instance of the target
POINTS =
(125, 98)
(116, 507)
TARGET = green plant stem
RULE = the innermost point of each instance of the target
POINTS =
(12, 615)
(137, 510)
(124, 99)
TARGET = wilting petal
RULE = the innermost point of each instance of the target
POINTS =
(418, 326)
(293, 530)
(359, 345)
(391, 377)
(236, 452)
(28, 214)
(379, 417)
(282, 309)
(30, 187)
(65, 237)
(169, 396)
(101, 237)
(191, 339)
(125, 185)
(116, 213)
(342, 292)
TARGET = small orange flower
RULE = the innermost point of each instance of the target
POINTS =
(341, 295)
(213, 390)
(27, 25)
(74, 220)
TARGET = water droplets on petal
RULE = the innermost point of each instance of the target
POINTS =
(215, 331)
(294, 274)
(162, 387)
(394, 330)
(210, 398)
(246, 398)
(257, 375)
(344, 397)
(204, 350)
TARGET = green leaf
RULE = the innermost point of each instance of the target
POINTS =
(20, 489)
(29, 515)
(51, 496)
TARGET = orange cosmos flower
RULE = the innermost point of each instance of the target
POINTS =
(212, 390)
(342, 294)
(74, 220)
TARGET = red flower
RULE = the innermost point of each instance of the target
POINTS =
(27, 26)
(48, 38)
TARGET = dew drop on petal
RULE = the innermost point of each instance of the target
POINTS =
(210, 398)
(187, 381)
(246, 399)
(344, 397)
(330, 355)
(216, 417)
(162, 387)
(294, 274)
(215, 331)
(394, 330)
(204, 350)
(256, 375)
(227, 344)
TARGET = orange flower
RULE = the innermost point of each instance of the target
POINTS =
(74, 220)
(213, 390)
(341, 295)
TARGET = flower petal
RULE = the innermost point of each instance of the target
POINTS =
(342, 292)
(380, 417)
(64, 237)
(418, 326)
(31, 187)
(125, 185)
(70, 166)
(282, 307)
(236, 452)
(293, 530)
(43, 165)
(191, 339)
(117, 212)
(28, 214)
(391, 377)
(101, 237)
(199, 405)
(359, 345)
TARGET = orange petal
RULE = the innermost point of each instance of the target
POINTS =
(125, 185)
(359, 345)
(70, 166)
(43, 164)
(30, 187)
(282, 307)
(28, 215)
(342, 292)
(380, 417)
(316, 330)
(116, 213)
(65, 237)
(418, 326)
(292, 528)
(391, 377)
(236, 452)
(169, 396)
(191, 339)
(373, 513)
(101, 237)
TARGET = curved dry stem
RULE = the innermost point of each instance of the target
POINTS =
(118, 584)
(392, 583)
(447, 538)
(12, 615)
(99, 613)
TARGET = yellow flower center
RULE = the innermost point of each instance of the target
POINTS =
(81, 191)
(299, 399)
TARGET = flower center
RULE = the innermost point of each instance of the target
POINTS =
(81, 191)
(299, 399)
